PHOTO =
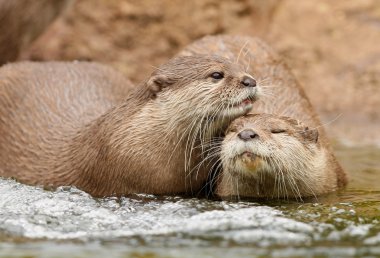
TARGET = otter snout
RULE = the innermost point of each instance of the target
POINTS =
(248, 81)
(247, 135)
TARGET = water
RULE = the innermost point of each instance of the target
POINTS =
(69, 222)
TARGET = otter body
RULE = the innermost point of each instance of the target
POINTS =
(85, 125)
(44, 110)
(282, 96)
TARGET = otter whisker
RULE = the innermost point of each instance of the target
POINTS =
(329, 122)
(294, 163)
(209, 158)
(217, 169)
(277, 182)
(212, 143)
(215, 176)
(266, 95)
(237, 189)
(249, 61)
(179, 142)
(212, 150)
(292, 186)
(299, 172)
(264, 80)
(191, 140)
(217, 110)
(189, 147)
(306, 184)
(241, 49)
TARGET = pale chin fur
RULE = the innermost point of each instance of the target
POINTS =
(231, 153)
(237, 111)
(235, 148)
(238, 108)
(250, 93)
(308, 171)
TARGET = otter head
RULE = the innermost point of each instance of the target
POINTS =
(202, 88)
(273, 156)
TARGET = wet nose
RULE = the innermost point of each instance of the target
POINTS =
(247, 135)
(248, 81)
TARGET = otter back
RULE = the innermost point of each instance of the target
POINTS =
(44, 104)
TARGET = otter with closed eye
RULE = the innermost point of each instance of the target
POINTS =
(81, 124)
(314, 162)
(270, 156)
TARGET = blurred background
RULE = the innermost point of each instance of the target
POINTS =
(333, 47)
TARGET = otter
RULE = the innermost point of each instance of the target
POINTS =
(282, 96)
(84, 125)
(268, 156)
(22, 21)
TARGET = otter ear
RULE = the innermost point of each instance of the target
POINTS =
(157, 82)
(310, 134)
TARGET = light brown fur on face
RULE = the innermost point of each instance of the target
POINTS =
(269, 156)
(82, 124)
(282, 95)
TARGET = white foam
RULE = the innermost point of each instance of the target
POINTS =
(69, 213)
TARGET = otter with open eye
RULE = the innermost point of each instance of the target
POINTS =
(79, 124)
(282, 95)
(270, 156)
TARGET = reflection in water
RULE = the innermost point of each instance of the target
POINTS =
(174, 226)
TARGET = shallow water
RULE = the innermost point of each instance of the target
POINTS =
(68, 222)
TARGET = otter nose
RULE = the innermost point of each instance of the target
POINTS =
(248, 81)
(247, 135)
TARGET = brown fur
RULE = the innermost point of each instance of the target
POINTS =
(22, 21)
(76, 124)
(284, 159)
(285, 95)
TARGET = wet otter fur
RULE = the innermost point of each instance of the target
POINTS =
(271, 156)
(282, 96)
(85, 125)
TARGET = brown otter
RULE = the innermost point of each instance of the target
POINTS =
(22, 21)
(75, 123)
(285, 97)
(266, 155)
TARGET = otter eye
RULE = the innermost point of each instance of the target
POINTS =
(217, 75)
(277, 131)
(232, 130)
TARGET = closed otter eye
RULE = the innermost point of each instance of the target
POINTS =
(277, 131)
(217, 75)
(232, 130)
